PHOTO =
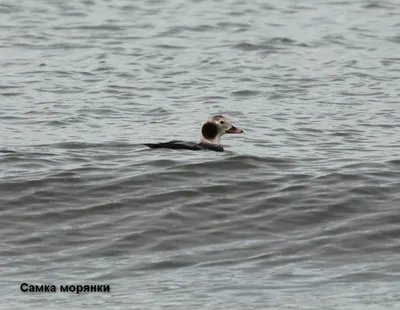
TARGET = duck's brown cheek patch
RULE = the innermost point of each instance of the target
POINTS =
(209, 130)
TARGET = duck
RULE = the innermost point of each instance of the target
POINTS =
(212, 129)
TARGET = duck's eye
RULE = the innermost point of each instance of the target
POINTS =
(222, 122)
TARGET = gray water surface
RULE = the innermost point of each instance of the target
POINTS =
(300, 212)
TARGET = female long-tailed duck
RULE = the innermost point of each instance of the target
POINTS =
(211, 131)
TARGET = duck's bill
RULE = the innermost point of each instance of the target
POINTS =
(233, 129)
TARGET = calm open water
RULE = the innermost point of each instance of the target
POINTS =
(302, 211)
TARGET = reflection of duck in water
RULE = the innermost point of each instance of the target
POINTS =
(211, 131)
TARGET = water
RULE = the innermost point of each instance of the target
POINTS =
(300, 211)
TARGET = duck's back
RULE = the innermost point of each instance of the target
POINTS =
(184, 145)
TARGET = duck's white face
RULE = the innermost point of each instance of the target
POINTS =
(224, 125)
(216, 126)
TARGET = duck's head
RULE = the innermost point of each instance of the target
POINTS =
(216, 126)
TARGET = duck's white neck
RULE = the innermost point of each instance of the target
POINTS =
(216, 140)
